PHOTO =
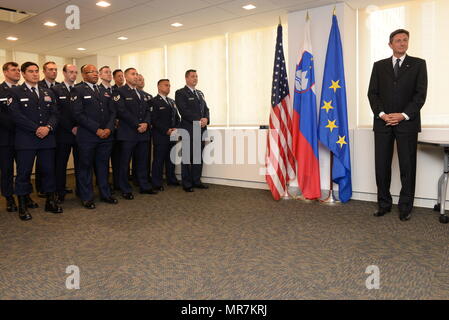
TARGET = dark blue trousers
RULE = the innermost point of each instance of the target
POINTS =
(7, 170)
(62, 157)
(190, 172)
(45, 162)
(93, 155)
(140, 150)
(115, 163)
(161, 158)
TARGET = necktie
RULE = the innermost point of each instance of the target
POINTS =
(201, 102)
(51, 85)
(96, 90)
(173, 112)
(35, 92)
(396, 68)
(14, 85)
(137, 94)
(70, 88)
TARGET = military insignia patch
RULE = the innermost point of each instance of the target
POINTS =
(9, 101)
(47, 98)
(117, 97)
(107, 95)
(73, 98)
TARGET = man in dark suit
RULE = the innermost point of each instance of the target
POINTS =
(141, 85)
(194, 115)
(397, 92)
(133, 133)
(35, 116)
(95, 115)
(119, 81)
(11, 72)
(165, 119)
(66, 131)
(50, 71)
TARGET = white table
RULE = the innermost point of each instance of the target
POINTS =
(443, 181)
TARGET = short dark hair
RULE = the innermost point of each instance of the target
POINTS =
(116, 71)
(47, 63)
(129, 69)
(103, 67)
(26, 65)
(10, 64)
(189, 72)
(82, 68)
(399, 31)
(162, 80)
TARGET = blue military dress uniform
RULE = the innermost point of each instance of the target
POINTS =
(192, 107)
(93, 110)
(164, 117)
(132, 107)
(65, 139)
(31, 110)
(6, 143)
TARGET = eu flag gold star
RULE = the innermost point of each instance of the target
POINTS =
(335, 85)
(341, 141)
(331, 125)
(327, 106)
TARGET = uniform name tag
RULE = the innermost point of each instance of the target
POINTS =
(191, 98)
(3, 99)
(62, 98)
(129, 98)
(25, 99)
(161, 108)
(87, 97)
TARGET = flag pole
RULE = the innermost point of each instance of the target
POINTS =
(330, 200)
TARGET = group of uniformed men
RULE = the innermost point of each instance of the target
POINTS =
(43, 122)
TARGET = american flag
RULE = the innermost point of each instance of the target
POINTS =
(280, 163)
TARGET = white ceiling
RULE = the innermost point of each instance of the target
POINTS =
(146, 23)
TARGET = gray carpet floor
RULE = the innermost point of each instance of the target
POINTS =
(222, 243)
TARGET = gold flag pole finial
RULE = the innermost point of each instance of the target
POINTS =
(335, 10)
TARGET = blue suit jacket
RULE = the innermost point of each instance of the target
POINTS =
(66, 121)
(164, 117)
(6, 122)
(29, 113)
(92, 112)
(132, 110)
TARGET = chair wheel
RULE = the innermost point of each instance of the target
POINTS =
(437, 207)
(444, 219)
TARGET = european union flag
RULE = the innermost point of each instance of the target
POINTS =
(333, 124)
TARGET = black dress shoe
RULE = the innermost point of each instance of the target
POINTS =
(381, 212)
(25, 216)
(404, 216)
(11, 205)
(174, 183)
(128, 196)
(23, 210)
(51, 204)
(30, 203)
(88, 204)
(200, 186)
(110, 200)
(159, 188)
(60, 198)
(188, 189)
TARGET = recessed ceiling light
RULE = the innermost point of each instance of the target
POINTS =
(249, 7)
(50, 24)
(81, 49)
(176, 24)
(122, 38)
(103, 4)
(11, 38)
